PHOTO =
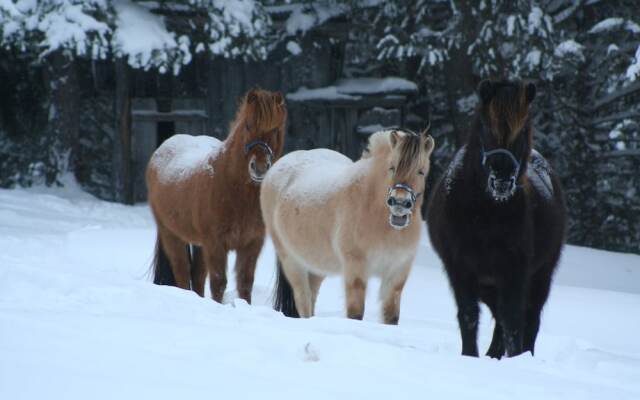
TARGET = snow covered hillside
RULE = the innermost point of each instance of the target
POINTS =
(80, 319)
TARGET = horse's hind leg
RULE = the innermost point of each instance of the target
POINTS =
(539, 292)
(246, 268)
(299, 280)
(176, 251)
(198, 270)
(314, 284)
(391, 292)
(215, 259)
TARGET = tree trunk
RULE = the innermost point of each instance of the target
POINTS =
(458, 74)
(64, 114)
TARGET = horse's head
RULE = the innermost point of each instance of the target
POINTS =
(504, 134)
(262, 118)
(408, 168)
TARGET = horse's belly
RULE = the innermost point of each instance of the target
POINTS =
(307, 240)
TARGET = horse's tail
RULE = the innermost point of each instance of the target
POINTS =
(162, 273)
(284, 300)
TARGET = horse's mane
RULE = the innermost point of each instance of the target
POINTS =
(261, 110)
(410, 149)
(506, 111)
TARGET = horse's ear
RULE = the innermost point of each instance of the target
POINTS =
(394, 138)
(252, 96)
(530, 92)
(486, 90)
(429, 144)
(278, 98)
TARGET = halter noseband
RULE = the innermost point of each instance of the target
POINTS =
(486, 154)
(260, 143)
(406, 188)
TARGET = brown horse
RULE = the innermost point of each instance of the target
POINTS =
(205, 193)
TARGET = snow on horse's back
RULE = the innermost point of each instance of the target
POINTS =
(180, 156)
(328, 215)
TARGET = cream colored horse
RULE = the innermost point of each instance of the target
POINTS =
(328, 215)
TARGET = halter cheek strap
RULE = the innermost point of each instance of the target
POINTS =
(407, 189)
(260, 143)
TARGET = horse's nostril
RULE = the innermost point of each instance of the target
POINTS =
(252, 164)
(408, 204)
(391, 201)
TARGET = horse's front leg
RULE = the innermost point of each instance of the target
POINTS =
(538, 294)
(215, 258)
(246, 259)
(465, 293)
(511, 309)
(391, 292)
(355, 281)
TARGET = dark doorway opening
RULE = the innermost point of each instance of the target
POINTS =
(166, 129)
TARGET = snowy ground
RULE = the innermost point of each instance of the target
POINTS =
(80, 319)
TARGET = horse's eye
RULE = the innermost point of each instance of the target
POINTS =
(421, 173)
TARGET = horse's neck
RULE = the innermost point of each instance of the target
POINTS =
(372, 187)
(232, 153)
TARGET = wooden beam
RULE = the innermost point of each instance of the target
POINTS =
(122, 163)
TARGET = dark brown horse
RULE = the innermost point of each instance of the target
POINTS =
(497, 220)
(204, 195)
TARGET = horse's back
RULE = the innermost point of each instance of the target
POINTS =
(182, 156)
(298, 200)
(309, 174)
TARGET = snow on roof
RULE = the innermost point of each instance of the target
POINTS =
(181, 156)
(376, 85)
(325, 93)
(371, 129)
(354, 88)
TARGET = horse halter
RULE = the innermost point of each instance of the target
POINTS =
(512, 158)
(261, 144)
(487, 154)
(406, 188)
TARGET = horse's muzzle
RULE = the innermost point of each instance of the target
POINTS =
(399, 213)
(501, 189)
(256, 173)
(401, 200)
